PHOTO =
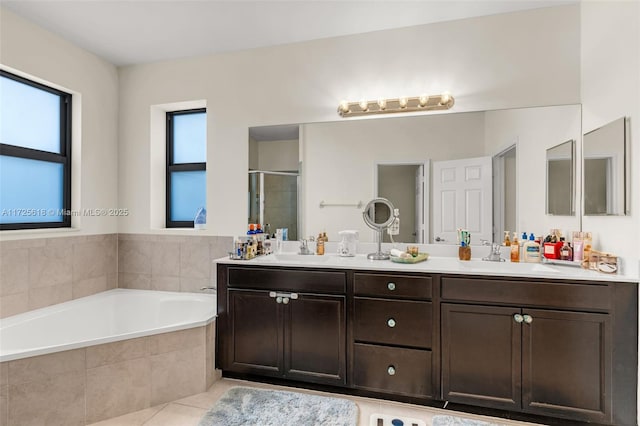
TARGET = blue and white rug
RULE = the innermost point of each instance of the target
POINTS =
(244, 406)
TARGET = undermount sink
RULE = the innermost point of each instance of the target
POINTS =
(487, 266)
(302, 258)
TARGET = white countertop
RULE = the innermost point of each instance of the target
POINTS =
(444, 265)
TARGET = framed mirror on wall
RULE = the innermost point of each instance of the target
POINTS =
(606, 170)
(560, 179)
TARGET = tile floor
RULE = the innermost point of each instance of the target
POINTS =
(188, 411)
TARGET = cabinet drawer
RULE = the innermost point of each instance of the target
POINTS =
(392, 286)
(527, 293)
(392, 370)
(288, 280)
(395, 322)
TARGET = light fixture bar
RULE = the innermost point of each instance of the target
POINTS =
(390, 106)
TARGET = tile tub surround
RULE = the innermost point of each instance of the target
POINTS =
(40, 272)
(169, 262)
(87, 385)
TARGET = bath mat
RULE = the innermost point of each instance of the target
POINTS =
(458, 421)
(251, 407)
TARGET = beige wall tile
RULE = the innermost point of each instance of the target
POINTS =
(138, 237)
(111, 353)
(57, 400)
(90, 260)
(134, 256)
(165, 259)
(194, 260)
(50, 295)
(112, 281)
(135, 281)
(176, 340)
(14, 270)
(89, 286)
(20, 244)
(14, 304)
(165, 283)
(4, 373)
(220, 247)
(177, 374)
(51, 264)
(193, 285)
(116, 389)
(4, 405)
(42, 367)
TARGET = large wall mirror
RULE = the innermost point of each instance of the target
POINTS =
(560, 179)
(495, 161)
(606, 170)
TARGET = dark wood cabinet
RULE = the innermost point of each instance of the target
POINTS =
(278, 333)
(538, 361)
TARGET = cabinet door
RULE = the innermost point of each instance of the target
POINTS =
(481, 355)
(315, 339)
(564, 365)
(255, 344)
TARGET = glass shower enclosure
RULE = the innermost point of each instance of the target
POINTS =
(273, 201)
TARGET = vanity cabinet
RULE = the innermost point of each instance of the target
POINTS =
(393, 334)
(271, 330)
(549, 362)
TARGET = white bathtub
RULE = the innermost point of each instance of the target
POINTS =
(102, 318)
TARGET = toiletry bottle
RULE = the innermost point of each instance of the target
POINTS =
(578, 246)
(586, 249)
(252, 229)
(532, 250)
(515, 249)
(507, 241)
(320, 245)
(324, 237)
(565, 251)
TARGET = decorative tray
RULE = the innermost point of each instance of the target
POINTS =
(421, 257)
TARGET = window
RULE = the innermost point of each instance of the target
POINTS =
(35, 155)
(186, 166)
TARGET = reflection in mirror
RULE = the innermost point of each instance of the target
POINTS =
(605, 170)
(560, 178)
(340, 167)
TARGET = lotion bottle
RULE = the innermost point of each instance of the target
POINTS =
(531, 251)
(515, 249)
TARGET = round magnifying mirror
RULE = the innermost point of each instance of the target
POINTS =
(378, 215)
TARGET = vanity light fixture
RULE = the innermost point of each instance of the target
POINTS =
(402, 104)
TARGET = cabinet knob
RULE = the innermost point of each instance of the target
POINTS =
(391, 286)
(528, 319)
(518, 318)
(391, 322)
(285, 300)
(279, 299)
(391, 370)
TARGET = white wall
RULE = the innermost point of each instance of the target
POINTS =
(278, 156)
(32, 51)
(610, 89)
(511, 60)
(534, 130)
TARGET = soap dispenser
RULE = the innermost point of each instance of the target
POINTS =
(531, 251)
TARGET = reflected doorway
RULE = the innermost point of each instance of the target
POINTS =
(505, 183)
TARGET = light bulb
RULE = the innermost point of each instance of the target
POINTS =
(445, 98)
(423, 100)
(364, 105)
(402, 102)
(382, 103)
(344, 107)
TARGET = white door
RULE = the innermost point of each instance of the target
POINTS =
(462, 198)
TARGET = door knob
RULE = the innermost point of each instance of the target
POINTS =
(438, 239)
(391, 322)
(528, 319)
(518, 318)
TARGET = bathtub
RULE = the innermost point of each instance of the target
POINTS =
(105, 317)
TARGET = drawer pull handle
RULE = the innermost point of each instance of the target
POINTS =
(391, 286)
(528, 319)
(391, 370)
(391, 322)
(518, 318)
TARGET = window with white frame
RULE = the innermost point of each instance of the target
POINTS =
(35, 154)
(186, 166)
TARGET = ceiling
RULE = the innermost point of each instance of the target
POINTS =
(128, 32)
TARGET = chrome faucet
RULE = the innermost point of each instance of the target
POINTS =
(304, 247)
(494, 254)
